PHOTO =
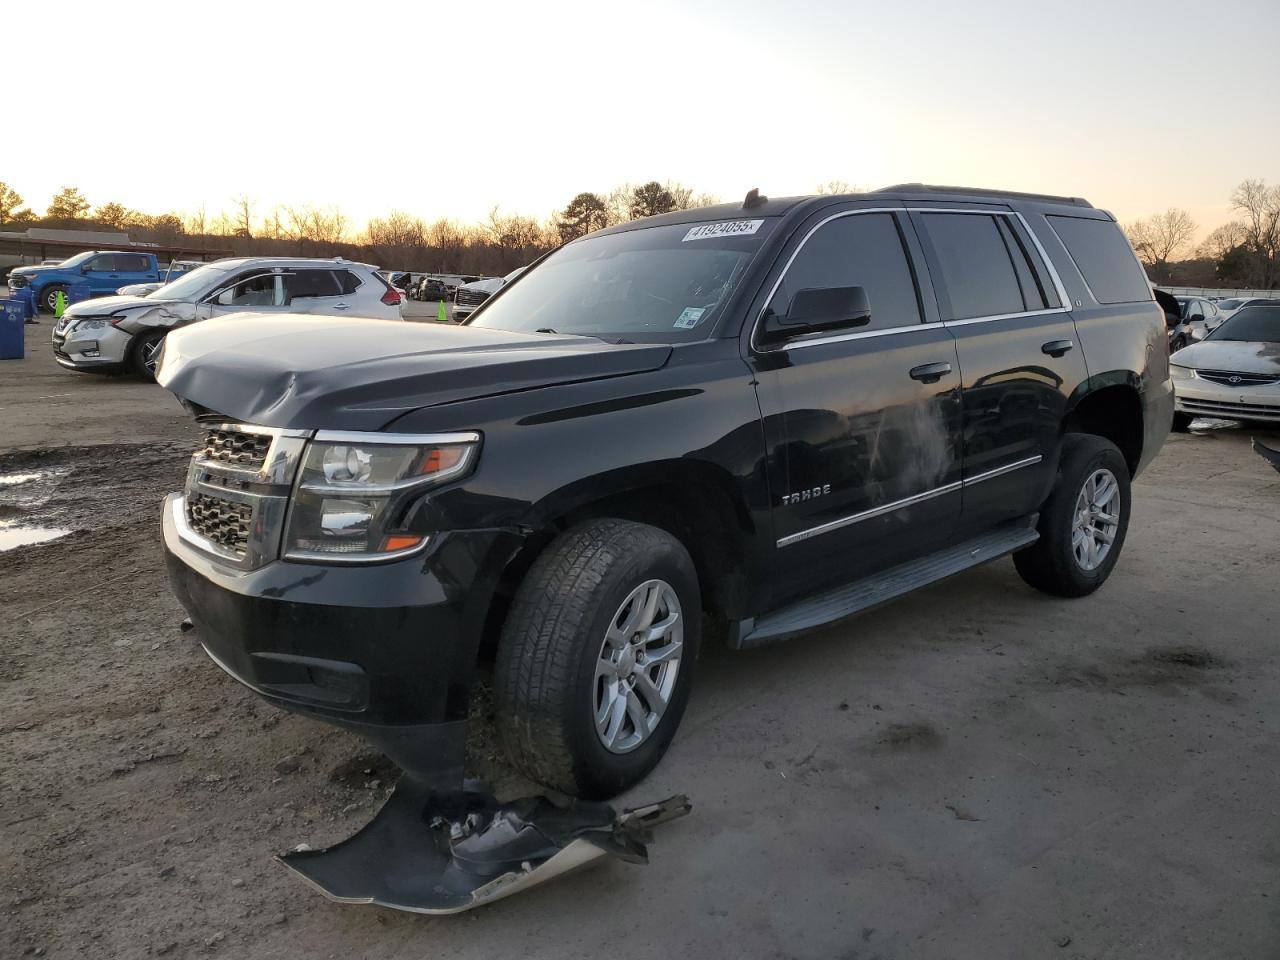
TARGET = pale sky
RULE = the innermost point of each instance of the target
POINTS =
(448, 108)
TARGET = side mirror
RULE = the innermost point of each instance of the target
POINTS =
(1196, 318)
(816, 310)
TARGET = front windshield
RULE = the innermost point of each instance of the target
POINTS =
(78, 259)
(1229, 304)
(191, 285)
(656, 284)
(1251, 324)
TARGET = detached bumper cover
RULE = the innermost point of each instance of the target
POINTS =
(446, 853)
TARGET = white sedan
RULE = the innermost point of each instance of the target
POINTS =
(1233, 373)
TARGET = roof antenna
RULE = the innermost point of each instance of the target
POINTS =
(753, 199)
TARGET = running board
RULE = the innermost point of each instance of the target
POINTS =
(882, 587)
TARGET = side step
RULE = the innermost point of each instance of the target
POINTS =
(884, 586)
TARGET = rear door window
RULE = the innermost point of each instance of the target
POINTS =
(863, 250)
(977, 270)
(1103, 257)
(132, 263)
(309, 284)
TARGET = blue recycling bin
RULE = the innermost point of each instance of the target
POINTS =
(77, 293)
(27, 297)
(12, 315)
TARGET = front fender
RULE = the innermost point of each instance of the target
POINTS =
(163, 315)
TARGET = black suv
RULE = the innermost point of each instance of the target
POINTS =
(778, 414)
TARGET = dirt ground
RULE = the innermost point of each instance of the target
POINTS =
(976, 771)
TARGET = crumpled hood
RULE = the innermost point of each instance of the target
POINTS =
(99, 306)
(310, 372)
(1240, 356)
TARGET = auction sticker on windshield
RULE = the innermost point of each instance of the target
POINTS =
(725, 228)
(689, 318)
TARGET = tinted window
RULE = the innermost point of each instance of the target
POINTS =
(976, 268)
(132, 263)
(1034, 287)
(866, 251)
(105, 263)
(310, 283)
(347, 281)
(1104, 259)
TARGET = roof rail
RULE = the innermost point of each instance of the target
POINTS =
(981, 192)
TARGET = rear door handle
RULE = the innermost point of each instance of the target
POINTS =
(342, 306)
(1056, 348)
(930, 372)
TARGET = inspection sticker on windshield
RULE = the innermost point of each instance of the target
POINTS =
(725, 228)
(689, 318)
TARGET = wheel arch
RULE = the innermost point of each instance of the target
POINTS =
(697, 502)
(1110, 405)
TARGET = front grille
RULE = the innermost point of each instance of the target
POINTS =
(242, 450)
(1231, 378)
(220, 521)
(470, 298)
(1217, 408)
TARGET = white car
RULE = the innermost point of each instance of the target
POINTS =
(469, 296)
(1233, 373)
(110, 334)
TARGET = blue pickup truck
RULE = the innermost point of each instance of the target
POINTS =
(105, 271)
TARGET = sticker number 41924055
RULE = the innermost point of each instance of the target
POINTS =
(724, 228)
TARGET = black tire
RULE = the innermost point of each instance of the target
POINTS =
(1178, 344)
(1051, 564)
(49, 298)
(545, 678)
(1181, 422)
(140, 350)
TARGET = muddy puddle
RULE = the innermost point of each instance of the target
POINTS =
(48, 494)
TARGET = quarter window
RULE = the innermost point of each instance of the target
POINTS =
(860, 250)
(977, 269)
(1104, 258)
(347, 280)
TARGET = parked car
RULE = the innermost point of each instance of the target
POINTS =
(1197, 315)
(430, 288)
(123, 332)
(781, 413)
(469, 296)
(168, 274)
(1234, 373)
(105, 271)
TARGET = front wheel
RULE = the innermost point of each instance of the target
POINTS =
(1083, 522)
(596, 657)
(144, 355)
(1181, 422)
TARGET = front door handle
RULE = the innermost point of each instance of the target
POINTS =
(342, 306)
(1056, 348)
(930, 372)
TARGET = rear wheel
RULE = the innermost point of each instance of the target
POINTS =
(144, 353)
(596, 657)
(1083, 522)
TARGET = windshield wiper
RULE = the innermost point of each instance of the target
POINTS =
(544, 330)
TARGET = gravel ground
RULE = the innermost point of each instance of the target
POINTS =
(976, 771)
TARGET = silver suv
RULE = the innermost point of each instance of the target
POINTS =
(110, 334)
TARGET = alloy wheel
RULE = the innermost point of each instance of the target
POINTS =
(637, 666)
(1097, 519)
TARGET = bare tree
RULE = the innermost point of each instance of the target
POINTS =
(1222, 241)
(1159, 238)
(242, 217)
(449, 241)
(1260, 205)
(197, 223)
(835, 187)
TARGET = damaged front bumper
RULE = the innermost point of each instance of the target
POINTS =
(433, 853)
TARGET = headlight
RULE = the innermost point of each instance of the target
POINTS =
(354, 490)
(1181, 373)
(94, 323)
